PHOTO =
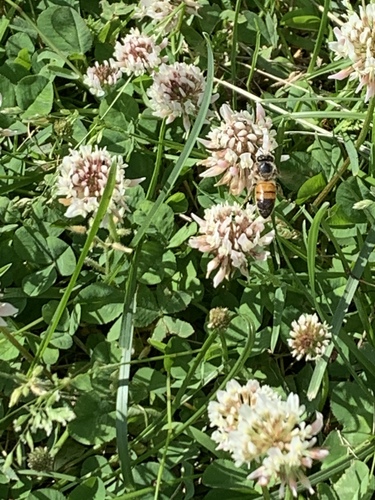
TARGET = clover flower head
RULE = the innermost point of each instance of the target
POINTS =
(158, 10)
(255, 424)
(233, 146)
(138, 53)
(309, 337)
(177, 90)
(356, 42)
(219, 318)
(40, 459)
(100, 77)
(82, 177)
(232, 234)
(6, 310)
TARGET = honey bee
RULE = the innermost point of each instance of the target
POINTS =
(265, 173)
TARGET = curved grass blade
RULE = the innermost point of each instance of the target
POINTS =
(312, 242)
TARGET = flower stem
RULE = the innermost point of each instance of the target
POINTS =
(266, 493)
(159, 154)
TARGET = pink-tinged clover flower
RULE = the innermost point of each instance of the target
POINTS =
(231, 234)
(137, 53)
(233, 145)
(177, 90)
(100, 77)
(82, 177)
(356, 42)
(254, 424)
(309, 337)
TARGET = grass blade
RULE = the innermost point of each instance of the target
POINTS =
(341, 310)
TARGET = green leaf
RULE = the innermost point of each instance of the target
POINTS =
(354, 412)
(95, 420)
(182, 235)
(100, 303)
(153, 380)
(357, 483)
(247, 30)
(66, 262)
(34, 96)
(46, 494)
(352, 153)
(224, 474)
(8, 351)
(150, 270)
(337, 449)
(171, 326)
(65, 30)
(348, 193)
(61, 340)
(119, 111)
(91, 489)
(147, 309)
(298, 19)
(162, 224)
(178, 202)
(18, 42)
(39, 282)
(49, 309)
(311, 187)
(7, 92)
(172, 301)
(51, 356)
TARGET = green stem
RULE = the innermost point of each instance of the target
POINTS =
(233, 56)
(319, 39)
(254, 60)
(168, 440)
(266, 493)
(193, 371)
(159, 156)
(57, 447)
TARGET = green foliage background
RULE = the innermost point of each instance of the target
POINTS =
(122, 336)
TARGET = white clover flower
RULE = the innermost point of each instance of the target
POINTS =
(233, 146)
(138, 53)
(177, 90)
(158, 10)
(232, 234)
(255, 424)
(82, 177)
(309, 337)
(224, 413)
(356, 41)
(44, 418)
(6, 310)
(101, 76)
